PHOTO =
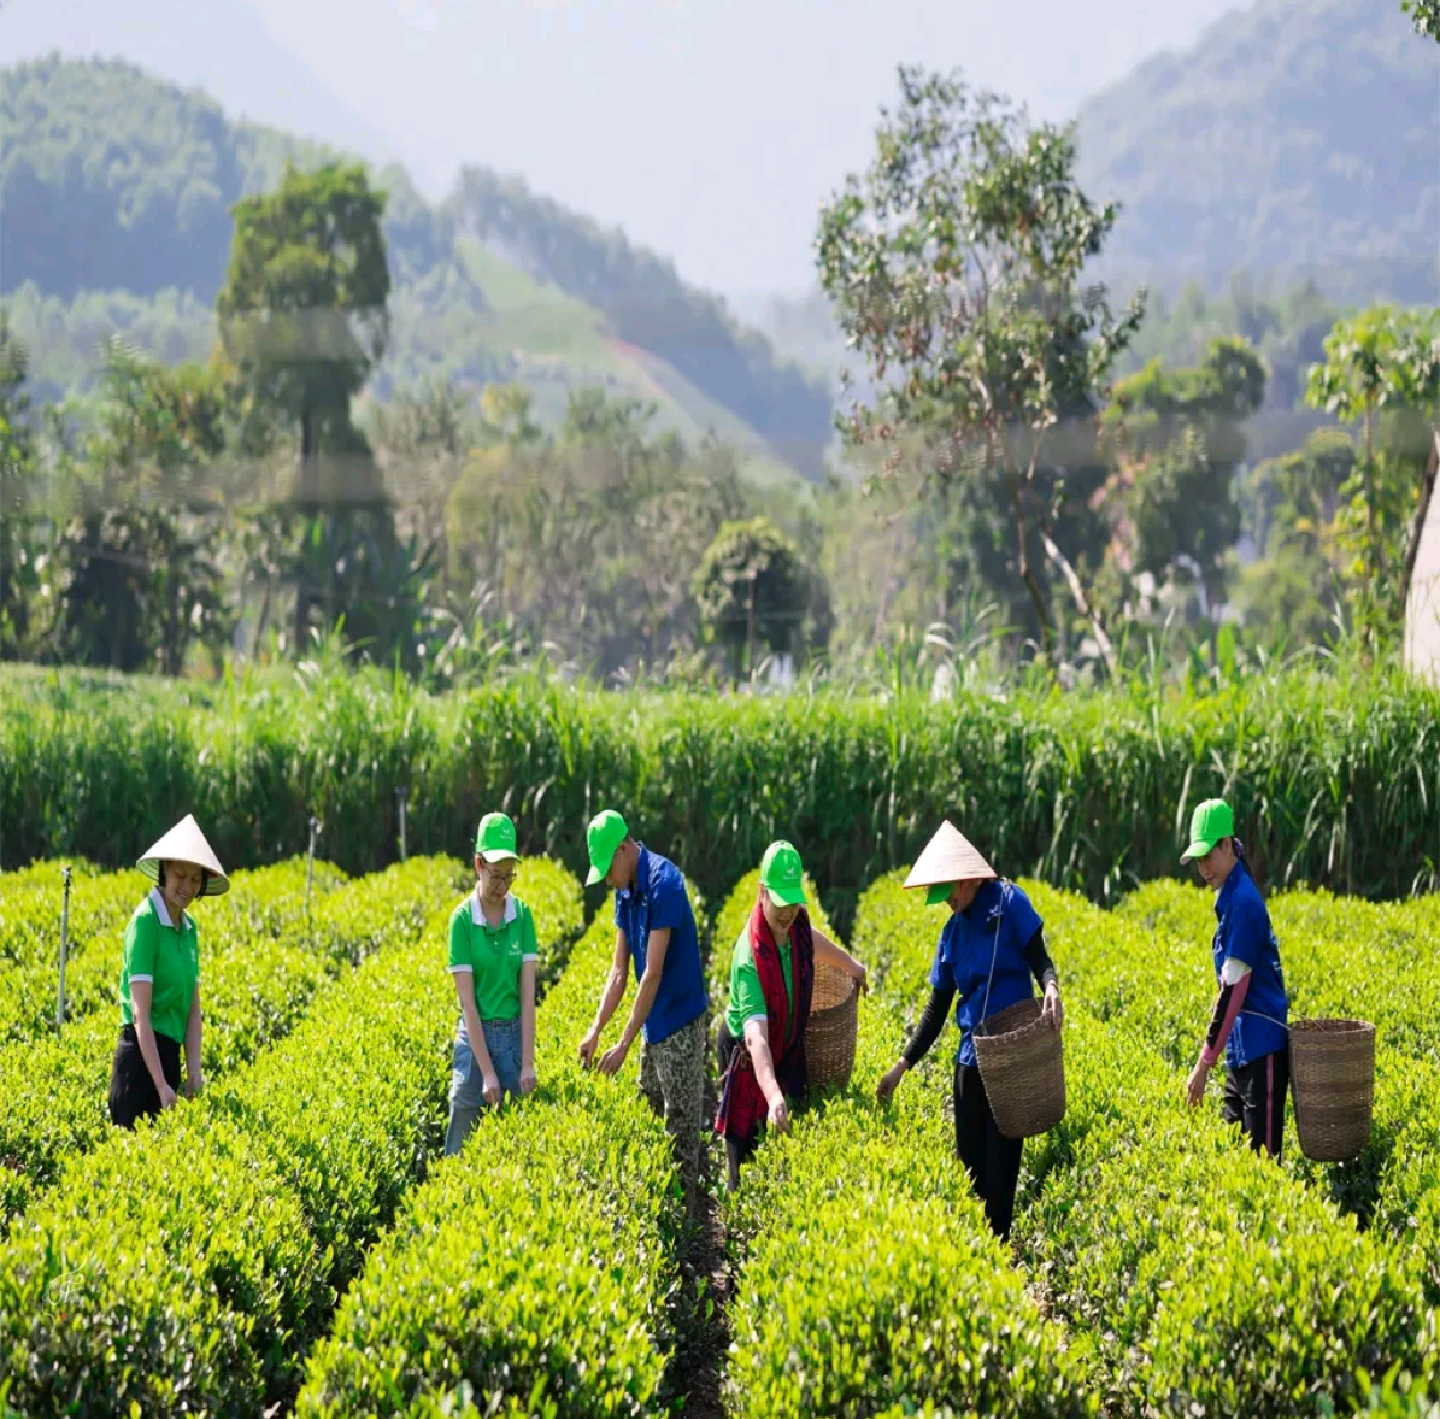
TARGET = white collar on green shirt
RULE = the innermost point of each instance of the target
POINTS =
(158, 902)
(477, 912)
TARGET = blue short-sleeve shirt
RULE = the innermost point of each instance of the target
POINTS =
(1000, 922)
(656, 901)
(1243, 931)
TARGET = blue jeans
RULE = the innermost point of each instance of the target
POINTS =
(467, 1084)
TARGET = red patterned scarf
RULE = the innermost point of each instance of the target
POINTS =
(742, 1106)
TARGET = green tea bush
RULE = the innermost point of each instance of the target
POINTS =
(266, 902)
(189, 1266)
(532, 1274)
(1211, 1280)
(869, 1279)
(253, 991)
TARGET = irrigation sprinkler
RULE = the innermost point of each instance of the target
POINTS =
(315, 826)
(403, 794)
(64, 942)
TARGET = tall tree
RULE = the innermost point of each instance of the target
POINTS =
(304, 318)
(136, 549)
(1382, 371)
(753, 590)
(954, 267)
(1425, 14)
(1178, 439)
(17, 476)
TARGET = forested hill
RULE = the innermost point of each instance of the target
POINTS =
(1296, 138)
(113, 181)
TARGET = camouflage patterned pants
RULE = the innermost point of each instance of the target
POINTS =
(672, 1075)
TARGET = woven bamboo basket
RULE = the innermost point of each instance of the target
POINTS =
(1332, 1076)
(831, 1030)
(1022, 1065)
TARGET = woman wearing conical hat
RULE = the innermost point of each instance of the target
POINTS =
(160, 977)
(991, 948)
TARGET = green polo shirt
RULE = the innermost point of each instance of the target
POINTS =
(747, 999)
(167, 956)
(493, 954)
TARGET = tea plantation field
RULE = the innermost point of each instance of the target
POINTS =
(292, 1242)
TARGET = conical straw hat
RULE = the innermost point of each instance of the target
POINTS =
(948, 857)
(186, 843)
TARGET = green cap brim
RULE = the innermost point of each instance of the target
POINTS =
(596, 875)
(939, 894)
(1196, 850)
(787, 897)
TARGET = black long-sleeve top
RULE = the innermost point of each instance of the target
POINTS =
(942, 997)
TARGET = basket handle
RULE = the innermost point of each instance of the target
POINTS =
(994, 952)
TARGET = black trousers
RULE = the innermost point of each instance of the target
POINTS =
(132, 1091)
(991, 1159)
(1255, 1099)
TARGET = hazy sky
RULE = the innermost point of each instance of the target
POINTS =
(710, 129)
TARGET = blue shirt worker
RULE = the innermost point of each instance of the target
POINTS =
(1250, 1021)
(991, 946)
(655, 932)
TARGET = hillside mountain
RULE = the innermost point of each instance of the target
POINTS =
(1291, 156)
(224, 47)
(117, 190)
(1296, 138)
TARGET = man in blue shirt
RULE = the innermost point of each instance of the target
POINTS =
(1251, 1013)
(655, 929)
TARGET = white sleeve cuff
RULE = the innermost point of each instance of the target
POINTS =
(1233, 971)
(523, 959)
(136, 979)
(461, 970)
(762, 1017)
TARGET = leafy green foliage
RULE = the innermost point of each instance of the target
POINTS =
(954, 265)
(254, 987)
(753, 590)
(828, 1322)
(532, 1273)
(241, 1216)
(1336, 771)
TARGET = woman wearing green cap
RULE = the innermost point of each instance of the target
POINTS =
(492, 960)
(772, 969)
(991, 948)
(160, 978)
(1250, 1020)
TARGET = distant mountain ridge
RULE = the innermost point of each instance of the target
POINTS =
(114, 181)
(1294, 139)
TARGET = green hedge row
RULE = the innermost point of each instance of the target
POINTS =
(1336, 783)
(266, 902)
(254, 990)
(1207, 1279)
(188, 1267)
(869, 1281)
(533, 1274)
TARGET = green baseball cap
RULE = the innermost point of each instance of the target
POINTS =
(1212, 821)
(939, 894)
(606, 832)
(495, 841)
(782, 875)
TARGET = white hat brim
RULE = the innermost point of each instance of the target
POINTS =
(186, 843)
(949, 857)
